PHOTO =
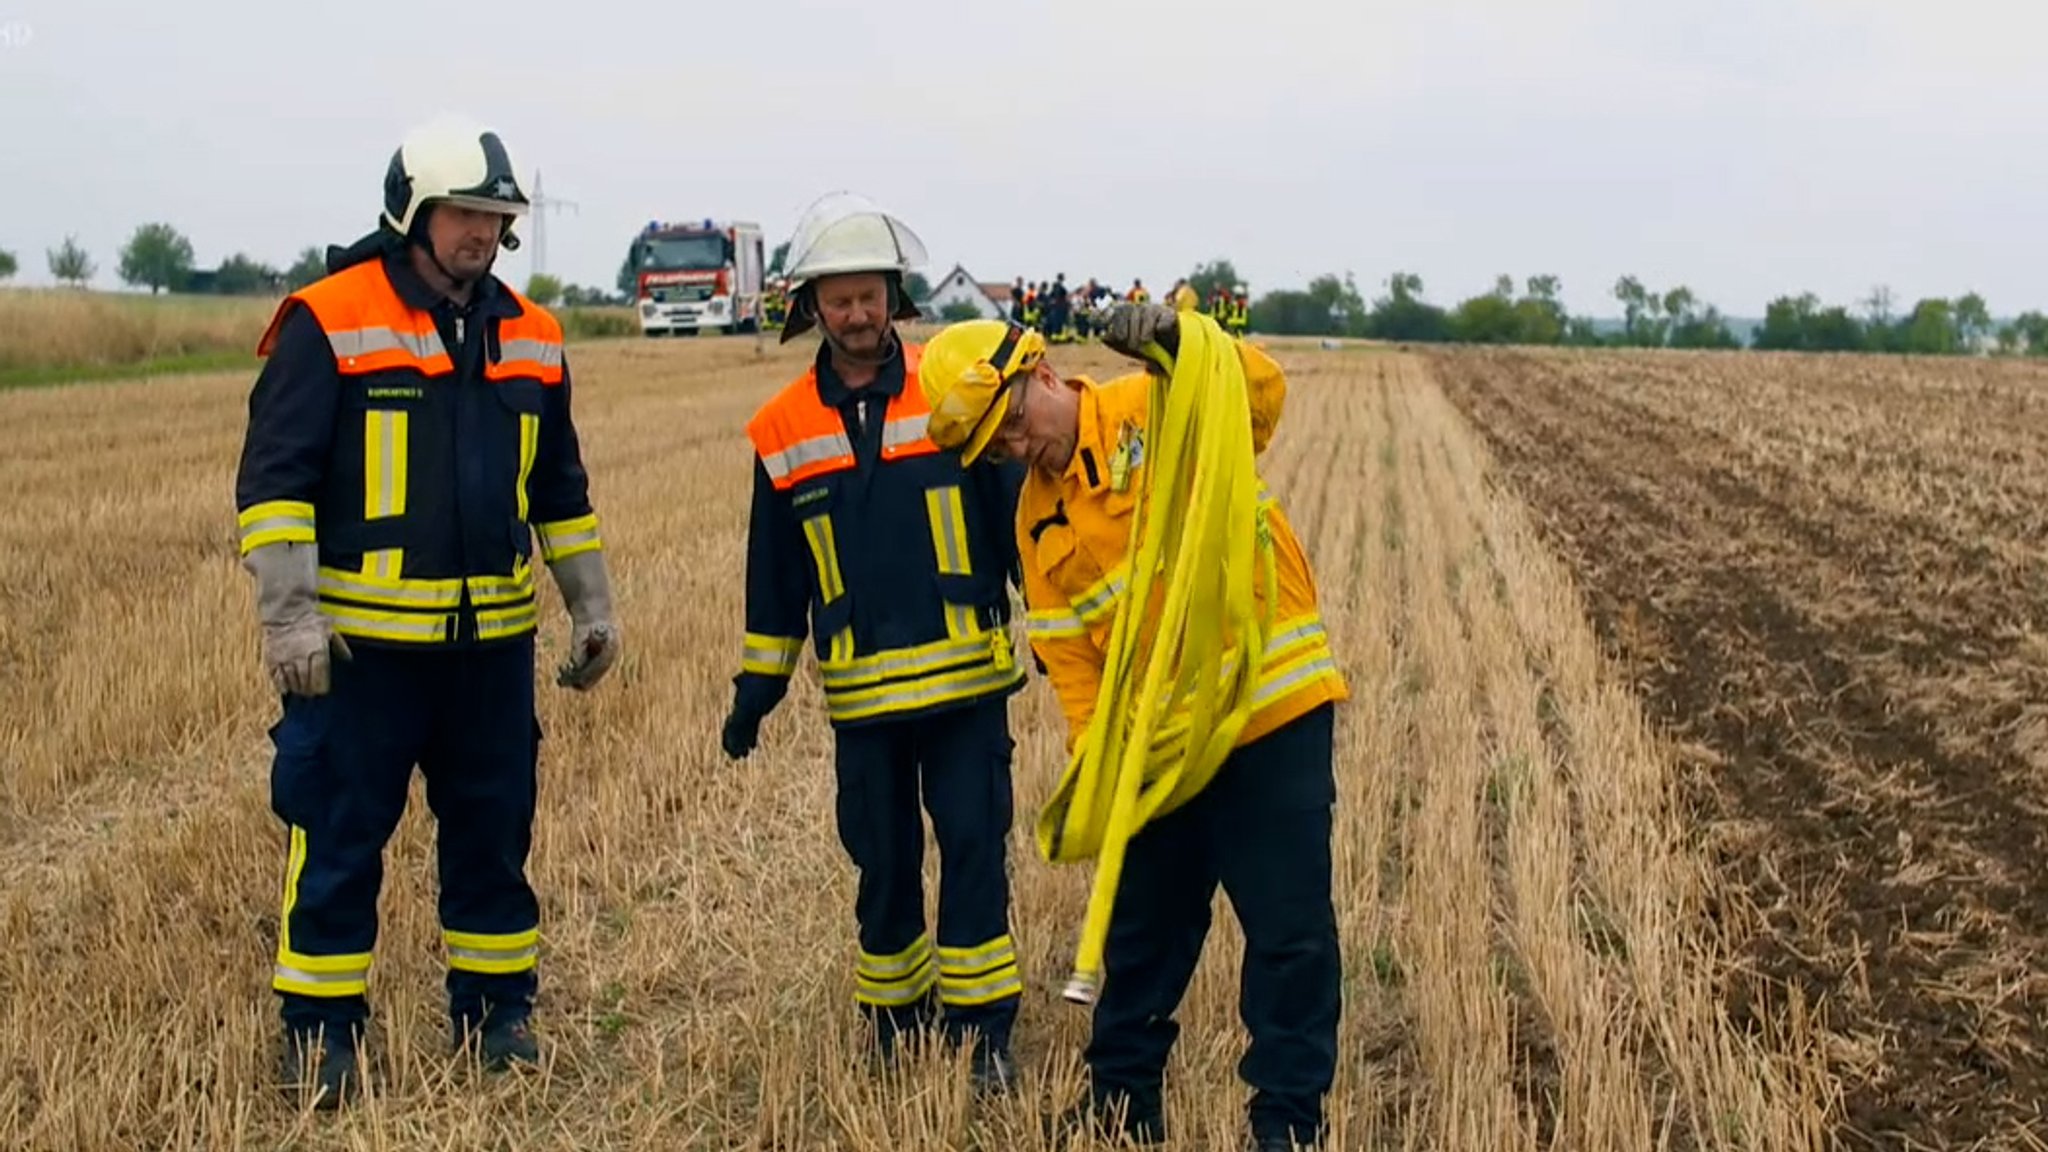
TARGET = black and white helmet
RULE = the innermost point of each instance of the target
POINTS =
(457, 161)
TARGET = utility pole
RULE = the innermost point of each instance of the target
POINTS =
(542, 205)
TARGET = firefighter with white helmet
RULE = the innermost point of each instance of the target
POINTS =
(895, 561)
(408, 437)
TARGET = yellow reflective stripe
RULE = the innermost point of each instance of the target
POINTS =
(275, 522)
(486, 591)
(825, 551)
(372, 624)
(893, 981)
(980, 974)
(560, 538)
(529, 447)
(384, 565)
(492, 952)
(1053, 624)
(1277, 682)
(497, 623)
(390, 592)
(841, 650)
(936, 656)
(965, 684)
(345, 975)
(948, 518)
(1101, 597)
(384, 462)
(770, 655)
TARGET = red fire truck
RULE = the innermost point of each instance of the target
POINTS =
(698, 276)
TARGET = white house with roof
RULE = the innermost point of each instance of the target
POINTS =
(990, 301)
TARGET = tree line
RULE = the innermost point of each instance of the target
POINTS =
(1532, 313)
(160, 258)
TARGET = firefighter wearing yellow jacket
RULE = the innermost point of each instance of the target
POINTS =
(896, 561)
(1261, 828)
(408, 436)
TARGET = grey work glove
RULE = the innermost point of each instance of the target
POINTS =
(1129, 327)
(297, 639)
(593, 635)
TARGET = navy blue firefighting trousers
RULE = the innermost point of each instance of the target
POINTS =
(1262, 829)
(958, 764)
(339, 780)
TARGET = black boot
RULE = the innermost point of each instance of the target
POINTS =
(504, 1042)
(1107, 1118)
(990, 1069)
(322, 1063)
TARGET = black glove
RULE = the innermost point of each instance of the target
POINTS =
(742, 732)
(1129, 327)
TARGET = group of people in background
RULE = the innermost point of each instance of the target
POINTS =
(1066, 315)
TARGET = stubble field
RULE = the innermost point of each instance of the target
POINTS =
(1826, 578)
(1559, 929)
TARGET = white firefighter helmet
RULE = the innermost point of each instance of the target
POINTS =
(457, 161)
(844, 232)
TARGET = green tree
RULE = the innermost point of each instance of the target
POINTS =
(8, 264)
(240, 275)
(544, 289)
(777, 258)
(157, 255)
(1931, 329)
(959, 310)
(1539, 314)
(1973, 321)
(917, 287)
(310, 266)
(2026, 335)
(1642, 327)
(1402, 314)
(70, 264)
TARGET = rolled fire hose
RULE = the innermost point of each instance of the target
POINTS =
(1177, 686)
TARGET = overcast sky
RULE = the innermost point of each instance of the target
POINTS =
(1744, 147)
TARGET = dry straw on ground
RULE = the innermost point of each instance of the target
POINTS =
(1529, 962)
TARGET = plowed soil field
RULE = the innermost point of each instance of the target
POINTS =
(1828, 579)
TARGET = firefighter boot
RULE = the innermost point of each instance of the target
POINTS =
(322, 1065)
(503, 1043)
(990, 1069)
(1111, 1117)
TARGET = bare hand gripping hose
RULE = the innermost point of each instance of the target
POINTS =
(1176, 690)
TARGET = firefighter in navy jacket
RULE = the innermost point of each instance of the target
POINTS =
(896, 563)
(408, 437)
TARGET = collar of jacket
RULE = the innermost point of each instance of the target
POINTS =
(486, 301)
(888, 381)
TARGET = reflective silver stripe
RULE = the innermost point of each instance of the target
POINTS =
(1101, 600)
(1293, 678)
(1053, 625)
(917, 693)
(364, 341)
(413, 594)
(546, 353)
(765, 654)
(804, 453)
(904, 430)
(553, 542)
(904, 663)
(277, 524)
(970, 961)
(494, 955)
(425, 628)
(956, 989)
(352, 976)
(888, 968)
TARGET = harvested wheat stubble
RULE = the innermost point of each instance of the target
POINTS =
(1526, 962)
(1825, 575)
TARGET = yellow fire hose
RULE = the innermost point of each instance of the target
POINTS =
(1176, 690)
